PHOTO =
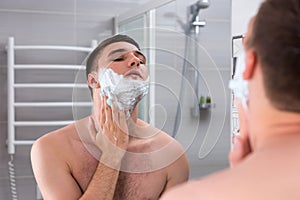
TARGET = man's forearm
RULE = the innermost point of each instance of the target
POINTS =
(103, 183)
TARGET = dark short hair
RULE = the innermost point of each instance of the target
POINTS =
(94, 56)
(275, 38)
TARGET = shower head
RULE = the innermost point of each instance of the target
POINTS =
(202, 4)
(195, 8)
(194, 12)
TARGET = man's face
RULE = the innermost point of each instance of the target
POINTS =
(124, 59)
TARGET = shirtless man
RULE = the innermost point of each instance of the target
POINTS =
(106, 155)
(270, 125)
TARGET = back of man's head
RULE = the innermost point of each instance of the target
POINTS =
(92, 61)
(276, 39)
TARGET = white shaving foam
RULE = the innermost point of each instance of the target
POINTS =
(125, 92)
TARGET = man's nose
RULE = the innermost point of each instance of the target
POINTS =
(134, 61)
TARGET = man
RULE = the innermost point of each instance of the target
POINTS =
(108, 155)
(266, 157)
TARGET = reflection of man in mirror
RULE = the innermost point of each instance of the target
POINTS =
(266, 156)
(111, 154)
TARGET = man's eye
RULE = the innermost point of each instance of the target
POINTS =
(118, 59)
(142, 62)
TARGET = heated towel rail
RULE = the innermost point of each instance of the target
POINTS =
(13, 85)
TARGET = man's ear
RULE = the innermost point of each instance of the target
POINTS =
(251, 62)
(93, 80)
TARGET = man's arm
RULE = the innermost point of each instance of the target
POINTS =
(53, 174)
(55, 179)
(105, 177)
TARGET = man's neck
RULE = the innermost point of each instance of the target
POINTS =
(269, 123)
(265, 122)
(137, 129)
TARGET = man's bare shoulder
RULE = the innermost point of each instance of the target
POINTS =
(216, 186)
(51, 159)
(53, 143)
(229, 184)
(259, 176)
(56, 136)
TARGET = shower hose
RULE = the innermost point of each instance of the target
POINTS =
(12, 178)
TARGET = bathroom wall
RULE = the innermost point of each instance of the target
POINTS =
(242, 11)
(77, 22)
(206, 137)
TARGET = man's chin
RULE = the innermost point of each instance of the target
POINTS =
(135, 77)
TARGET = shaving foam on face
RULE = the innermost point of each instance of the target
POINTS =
(238, 84)
(125, 92)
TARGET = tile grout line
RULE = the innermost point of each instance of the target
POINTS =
(36, 12)
(66, 13)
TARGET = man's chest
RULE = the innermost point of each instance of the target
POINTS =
(139, 186)
(131, 186)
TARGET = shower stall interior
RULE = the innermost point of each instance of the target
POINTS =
(187, 92)
(192, 26)
(141, 24)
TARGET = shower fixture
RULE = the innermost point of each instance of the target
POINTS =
(193, 23)
(201, 4)
(194, 10)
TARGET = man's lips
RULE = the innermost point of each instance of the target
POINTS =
(133, 73)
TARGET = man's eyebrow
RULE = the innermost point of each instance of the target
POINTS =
(116, 51)
(124, 50)
(141, 54)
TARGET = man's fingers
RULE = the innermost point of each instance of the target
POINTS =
(97, 103)
(115, 113)
(122, 121)
(102, 113)
(91, 128)
(241, 148)
(242, 120)
(108, 112)
(236, 153)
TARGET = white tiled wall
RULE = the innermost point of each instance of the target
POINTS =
(206, 138)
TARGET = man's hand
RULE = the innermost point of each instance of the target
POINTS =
(241, 149)
(241, 143)
(108, 129)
